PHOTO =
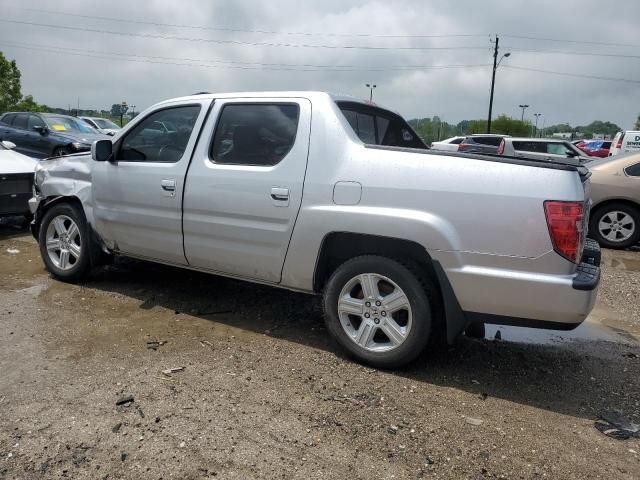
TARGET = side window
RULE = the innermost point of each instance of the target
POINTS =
(457, 141)
(366, 128)
(160, 137)
(255, 134)
(556, 149)
(493, 141)
(529, 147)
(21, 121)
(633, 170)
(8, 118)
(34, 121)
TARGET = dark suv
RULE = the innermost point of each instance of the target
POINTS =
(481, 143)
(47, 134)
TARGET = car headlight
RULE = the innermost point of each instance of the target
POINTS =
(80, 146)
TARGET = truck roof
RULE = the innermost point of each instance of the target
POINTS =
(311, 94)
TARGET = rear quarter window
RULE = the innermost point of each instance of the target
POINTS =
(7, 119)
(493, 141)
(633, 170)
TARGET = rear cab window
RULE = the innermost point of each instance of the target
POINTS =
(376, 126)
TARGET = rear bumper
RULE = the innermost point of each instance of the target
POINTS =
(521, 298)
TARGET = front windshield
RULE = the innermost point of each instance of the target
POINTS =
(105, 123)
(66, 124)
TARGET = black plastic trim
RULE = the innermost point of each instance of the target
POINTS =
(588, 277)
(475, 317)
(551, 165)
(592, 253)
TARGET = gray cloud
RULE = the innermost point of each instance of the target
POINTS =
(453, 94)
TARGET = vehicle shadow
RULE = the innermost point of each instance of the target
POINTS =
(11, 227)
(572, 379)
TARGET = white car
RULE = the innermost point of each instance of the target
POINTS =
(16, 180)
(103, 125)
(625, 142)
(449, 145)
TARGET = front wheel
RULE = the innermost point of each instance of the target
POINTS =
(379, 311)
(615, 225)
(64, 242)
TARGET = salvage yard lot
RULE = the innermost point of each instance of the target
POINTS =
(265, 393)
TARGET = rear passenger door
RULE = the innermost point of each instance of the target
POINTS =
(244, 187)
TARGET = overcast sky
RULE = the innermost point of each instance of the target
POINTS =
(61, 65)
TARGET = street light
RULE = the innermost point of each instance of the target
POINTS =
(523, 107)
(536, 130)
(371, 86)
(496, 64)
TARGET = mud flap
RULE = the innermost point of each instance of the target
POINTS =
(454, 316)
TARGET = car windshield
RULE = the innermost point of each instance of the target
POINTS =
(65, 124)
(105, 123)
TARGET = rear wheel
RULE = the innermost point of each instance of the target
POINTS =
(64, 242)
(615, 225)
(379, 311)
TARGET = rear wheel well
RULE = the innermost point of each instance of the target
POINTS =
(338, 247)
(628, 203)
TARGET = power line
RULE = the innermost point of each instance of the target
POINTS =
(226, 64)
(578, 75)
(230, 42)
(240, 30)
(560, 40)
(560, 52)
(345, 67)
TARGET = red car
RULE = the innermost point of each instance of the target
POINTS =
(596, 148)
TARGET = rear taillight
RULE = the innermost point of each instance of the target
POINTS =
(461, 147)
(566, 227)
(501, 148)
(619, 144)
(432, 144)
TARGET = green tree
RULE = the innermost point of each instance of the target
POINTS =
(28, 104)
(509, 126)
(637, 125)
(10, 93)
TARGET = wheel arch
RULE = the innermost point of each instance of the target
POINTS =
(609, 201)
(338, 247)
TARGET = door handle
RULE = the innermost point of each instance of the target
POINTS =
(168, 187)
(280, 196)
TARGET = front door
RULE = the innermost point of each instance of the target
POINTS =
(138, 196)
(244, 187)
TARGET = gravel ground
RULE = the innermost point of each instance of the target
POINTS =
(265, 393)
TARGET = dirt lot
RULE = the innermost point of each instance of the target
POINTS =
(266, 394)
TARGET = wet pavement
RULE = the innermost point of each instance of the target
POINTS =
(265, 393)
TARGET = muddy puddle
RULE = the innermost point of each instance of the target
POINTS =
(629, 264)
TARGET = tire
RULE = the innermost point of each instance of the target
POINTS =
(475, 330)
(409, 319)
(65, 250)
(615, 225)
(60, 151)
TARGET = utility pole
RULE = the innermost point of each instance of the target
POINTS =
(523, 107)
(371, 86)
(496, 64)
(493, 82)
(537, 115)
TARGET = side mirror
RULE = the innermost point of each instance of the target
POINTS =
(8, 144)
(40, 129)
(102, 150)
(572, 154)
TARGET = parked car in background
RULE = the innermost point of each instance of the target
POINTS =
(596, 148)
(615, 192)
(16, 180)
(102, 125)
(625, 142)
(542, 149)
(448, 145)
(47, 134)
(345, 202)
(481, 143)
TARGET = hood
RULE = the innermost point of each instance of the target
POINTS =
(14, 162)
(87, 138)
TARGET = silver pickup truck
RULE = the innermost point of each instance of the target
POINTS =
(334, 196)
